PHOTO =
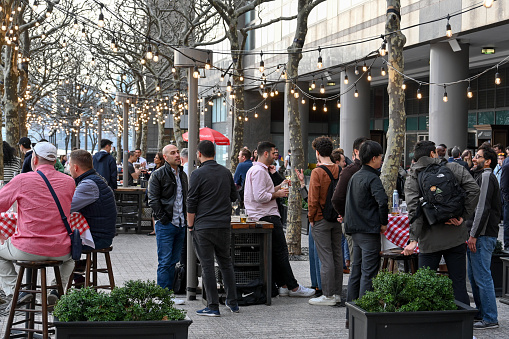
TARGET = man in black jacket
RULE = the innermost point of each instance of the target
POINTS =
(366, 217)
(211, 193)
(105, 164)
(167, 194)
(25, 146)
(483, 238)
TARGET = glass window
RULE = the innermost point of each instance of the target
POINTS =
(423, 123)
(222, 155)
(502, 118)
(486, 118)
(472, 120)
(412, 124)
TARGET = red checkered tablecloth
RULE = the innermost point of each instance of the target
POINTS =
(8, 222)
(398, 230)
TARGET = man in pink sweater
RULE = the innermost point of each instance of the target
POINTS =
(40, 234)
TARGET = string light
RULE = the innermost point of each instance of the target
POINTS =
(158, 86)
(369, 76)
(266, 106)
(156, 56)
(445, 98)
(262, 64)
(207, 63)
(383, 49)
(314, 106)
(313, 84)
(222, 77)
(403, 87)
(419, 94)
(498, 81)
(356, 70)
(100, 22)
(256, 115)
(319, 63)
(196, 72)
(382, 72)
(303, 101)
(448, 29)
(229, 86)
(470, 94)
(296, 94)
(325, 107)
(76, 23)
(36, 5)
(488, 3)
(322, 88)
(48, 12)
(346, 80)
(338, 104)
(364, 67)
(241, 78)
(83, 32)
(356, 93)
(149, 55)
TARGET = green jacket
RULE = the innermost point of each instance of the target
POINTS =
(59, 167)
(441, 236)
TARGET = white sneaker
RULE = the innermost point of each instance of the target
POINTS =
(337, 298)
(283, 292)
(323, 300)
(178, 301)
(302, 291)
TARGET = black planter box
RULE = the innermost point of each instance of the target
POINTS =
(505, 285)
(456, 324)
(122, 329)
(497, 272)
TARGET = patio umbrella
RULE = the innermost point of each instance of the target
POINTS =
(207, 133)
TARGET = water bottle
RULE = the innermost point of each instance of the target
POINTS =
(395, 203)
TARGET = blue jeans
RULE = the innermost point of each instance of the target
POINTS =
(170, 240)
(346, 252)
(314, 263)
(99, 243)
(479, 274)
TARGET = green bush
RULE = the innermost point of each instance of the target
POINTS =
(135, 301)
(307, 172)
(403, 292)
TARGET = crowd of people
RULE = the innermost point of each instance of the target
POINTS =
(347, 212)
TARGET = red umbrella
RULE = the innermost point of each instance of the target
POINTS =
(207, 133)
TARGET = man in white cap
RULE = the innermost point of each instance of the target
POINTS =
(40, 234)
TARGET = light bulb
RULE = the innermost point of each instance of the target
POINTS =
(76, 24)
(364, 67)
(339, 104)
(346, 80)
(246, 118)
(229, 86)
(488, 3)
(196, 72)
(266, 106)
(419, 94)
(296, 94)
(256, 115)
(322, 89)
(173, 70)
(100, 23)
(403, 87)
(319, 63)
(314, 106)
(497, 79)
(470, 94)
(369, 76)
(156, 56)
(207, 64)
(149, 54)
(356, 70)
(262, 66)
(83, 32)
(313, 84)
(222, 77)
(241, 78)
(325, 107)
(303, 101)
(383, 49)
(445, 98)
(36, 5)
(448, 30)
(356, 93)
(382, 72)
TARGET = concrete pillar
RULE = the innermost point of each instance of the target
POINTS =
(448, 121)
(355, 112)
(304, 123)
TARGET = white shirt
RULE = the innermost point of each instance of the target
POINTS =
(142, 162)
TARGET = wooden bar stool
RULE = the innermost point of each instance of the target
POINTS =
(390, 257)
(33, 288)
(92, 269)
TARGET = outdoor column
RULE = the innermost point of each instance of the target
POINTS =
(355, 112)
(304, 122)
(448, 121)
(99, 128)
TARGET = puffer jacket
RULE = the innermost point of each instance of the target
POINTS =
(162, 190)
(440, 236)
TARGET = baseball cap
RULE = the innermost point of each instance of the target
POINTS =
(25, 142)
(46, 150)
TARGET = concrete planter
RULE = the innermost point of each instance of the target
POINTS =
(505, 285)
(457, 324)
(497, 272)
(122, 329)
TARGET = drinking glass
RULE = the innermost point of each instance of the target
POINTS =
(243, 216)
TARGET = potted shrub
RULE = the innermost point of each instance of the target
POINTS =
(402, 305)
(139, 309)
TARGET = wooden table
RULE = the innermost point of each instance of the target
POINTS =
(251, 253)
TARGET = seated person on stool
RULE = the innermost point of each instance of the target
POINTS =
(94, 199)
(41, 234)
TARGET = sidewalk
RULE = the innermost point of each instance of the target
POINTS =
(134, 257)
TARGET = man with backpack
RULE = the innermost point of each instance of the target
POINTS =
(439, 197)
(325, 228)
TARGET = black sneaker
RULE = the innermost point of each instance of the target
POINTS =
(24, 298)
(53, 297)
(482, 325)
(318, 293)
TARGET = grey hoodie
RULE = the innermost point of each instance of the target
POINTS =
(441, 236)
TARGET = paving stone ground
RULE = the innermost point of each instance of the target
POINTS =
(134, 257)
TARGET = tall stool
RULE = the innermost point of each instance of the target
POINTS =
(92, 269)
(390, 257)
(33, 288)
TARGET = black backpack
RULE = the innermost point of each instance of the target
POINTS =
(442, 197)
(328, 212)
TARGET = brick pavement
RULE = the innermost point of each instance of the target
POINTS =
(134, 257)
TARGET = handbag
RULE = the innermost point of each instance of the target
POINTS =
(76, 244)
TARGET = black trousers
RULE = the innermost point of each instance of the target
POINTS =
(282, 273)
(456, 260)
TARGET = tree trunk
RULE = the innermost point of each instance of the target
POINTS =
(160, 132)
(11, 103)
(144, 137)
(396, 132)
(237, 141)
(120, 150)
(139, 132)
